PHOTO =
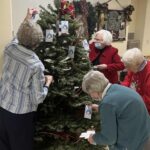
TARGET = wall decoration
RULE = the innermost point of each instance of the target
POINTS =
(116, 24)
(113, 20)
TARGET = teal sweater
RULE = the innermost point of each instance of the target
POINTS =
(125, 122)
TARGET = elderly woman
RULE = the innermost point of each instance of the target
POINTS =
(105, 57)
(22, 87)
(138, 76)
(121, 127)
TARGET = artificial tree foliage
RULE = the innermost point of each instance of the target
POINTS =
(60, 119)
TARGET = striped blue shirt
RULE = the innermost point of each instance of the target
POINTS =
(22, 83)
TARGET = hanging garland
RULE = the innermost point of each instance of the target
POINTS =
(113, 20)
(103, 8)
(96, 16)
(128, 12)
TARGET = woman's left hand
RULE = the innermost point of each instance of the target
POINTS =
(90, 139)
(30, 13)
(102, 66)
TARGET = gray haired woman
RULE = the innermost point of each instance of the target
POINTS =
(22, 87)
(138, 76)
(125, 121)
(104, 56)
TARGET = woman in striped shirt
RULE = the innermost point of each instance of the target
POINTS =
(22, 87)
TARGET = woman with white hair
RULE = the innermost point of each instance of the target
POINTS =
(138, 76)
(104, 56)
(121, 127)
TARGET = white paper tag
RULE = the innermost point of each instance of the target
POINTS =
(95, 68)
(86, 135)
(49, 35)
(88, 112)
(71, 51)
(85, 45)
(64, 27)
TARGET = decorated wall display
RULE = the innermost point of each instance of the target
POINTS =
(113, 20)
(116, 24)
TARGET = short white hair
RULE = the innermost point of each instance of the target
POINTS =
(107, 36)
(133, 57)
(94, 81)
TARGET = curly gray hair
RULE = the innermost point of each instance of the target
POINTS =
(94, 81)
(133, 57)
(107, 36)
(30, 34)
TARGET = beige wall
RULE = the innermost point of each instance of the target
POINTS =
(140, 21)
(141, 24)
(146, 34)
(19, 9)
(132, 24)
(5, 26)
(12, 12)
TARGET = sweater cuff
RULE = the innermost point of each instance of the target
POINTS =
(46, 86)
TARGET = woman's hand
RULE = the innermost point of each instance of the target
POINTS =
(91, 41)
(95, 107)
(102, 67)
(30, 13)
(90, 139)
(48, 80)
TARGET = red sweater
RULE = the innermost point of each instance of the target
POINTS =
(110, 57)
(141, 82)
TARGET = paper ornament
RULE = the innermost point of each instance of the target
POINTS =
(49, 35)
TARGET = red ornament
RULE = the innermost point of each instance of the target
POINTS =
(67, 8)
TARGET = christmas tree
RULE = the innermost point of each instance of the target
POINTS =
(60, 118)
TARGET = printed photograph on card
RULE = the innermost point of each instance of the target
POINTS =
(88, 112)
(49, 35)
(71, 51)
(64, 27)
(85, 45)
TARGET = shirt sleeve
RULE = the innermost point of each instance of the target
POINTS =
(108, 133)
(116, 64)
(92, 53)
(128, 79)
(39, 92)
(146, 93)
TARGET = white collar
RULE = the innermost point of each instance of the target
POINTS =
(142, 66)
(105, 90)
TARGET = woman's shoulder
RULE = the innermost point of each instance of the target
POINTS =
(111, 48)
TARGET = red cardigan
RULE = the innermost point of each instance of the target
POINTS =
(110, 57)
(141, 82)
